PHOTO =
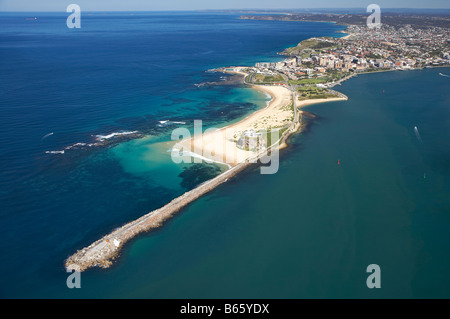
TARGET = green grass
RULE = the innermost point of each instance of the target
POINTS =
(435, 53)
(260, 78)
(288, 107)
(373, 56)
(309, 44)
(312, 92)
(310, 81)
(271, 138)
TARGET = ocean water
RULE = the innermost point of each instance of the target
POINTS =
(72, 90)
(311, 230)
(308, 231)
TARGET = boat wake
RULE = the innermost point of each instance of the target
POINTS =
(46, 135)
(416, 131)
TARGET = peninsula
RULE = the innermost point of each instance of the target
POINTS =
(305, 77)
(282, 115)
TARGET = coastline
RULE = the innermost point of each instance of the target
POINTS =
(302, 232)
(104, 251)
(221, 145)
(347, 36)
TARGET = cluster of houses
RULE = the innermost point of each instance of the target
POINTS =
(367, 50)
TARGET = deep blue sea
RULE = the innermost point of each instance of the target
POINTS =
(308, 231)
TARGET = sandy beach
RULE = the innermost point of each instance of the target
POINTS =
(347, 36)
(303, 103)
(221, 145)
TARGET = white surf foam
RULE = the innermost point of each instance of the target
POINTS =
(106, 137)
(47, 135)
